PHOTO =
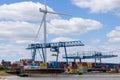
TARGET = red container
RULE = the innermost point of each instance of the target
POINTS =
(84, 64)
(75, 65)
(103, 64)
(15, 65)
(62, 64)
(93, 64)
(78, 62)
(25, 64)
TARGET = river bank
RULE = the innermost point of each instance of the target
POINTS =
(101, 76)
(9, 76)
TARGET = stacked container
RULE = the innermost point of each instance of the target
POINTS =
(89, 65)
(49, 65)
(103, 65)
(17, 64)
(33, 66)
(112, 67)
(55, 64)
(63, 64)
(14, 65)
(43, 65)
(82, 67)
(71, 69)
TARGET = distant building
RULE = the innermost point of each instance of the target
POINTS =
(6, 64)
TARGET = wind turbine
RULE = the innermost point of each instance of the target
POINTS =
(43, 21)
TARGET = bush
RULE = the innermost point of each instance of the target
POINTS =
(2, 68)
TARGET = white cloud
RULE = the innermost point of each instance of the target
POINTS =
(114, 35)
(73, 26)
(95, 41)
(60, 39)
(13, 52)
(22, 32)
(17, 31)
(23, 11)
(98, 5)
(111, 49)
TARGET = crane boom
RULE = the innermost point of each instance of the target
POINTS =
(56, 44)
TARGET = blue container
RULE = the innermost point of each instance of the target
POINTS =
(111, 65)
(65, 63)
(50, 65)
(20, 67)
(56, 64)
(33, 64)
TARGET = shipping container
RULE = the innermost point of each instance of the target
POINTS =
(49, 65)
(84, 63)
(82, 69)
(25, 64)
(27, 67)
(89, 64)
(15, 65)
(62, 65)
(43, 65)
(20, 67)
(33, 64)
(79, 64)
(55, 64)
(71, 69)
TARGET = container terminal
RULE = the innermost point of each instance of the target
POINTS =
(31, 67)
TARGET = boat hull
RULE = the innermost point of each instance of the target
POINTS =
(43, 72)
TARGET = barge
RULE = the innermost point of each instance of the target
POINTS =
(43, 72)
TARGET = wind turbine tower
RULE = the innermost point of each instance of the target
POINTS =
(43, 22)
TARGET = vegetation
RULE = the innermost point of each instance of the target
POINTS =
(3, 70)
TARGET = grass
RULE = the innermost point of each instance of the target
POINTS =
(3, 72)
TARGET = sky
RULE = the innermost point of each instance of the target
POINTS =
(94, 22)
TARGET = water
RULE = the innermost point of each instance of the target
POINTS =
(73, 77)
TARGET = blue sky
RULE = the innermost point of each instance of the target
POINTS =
(94, 22)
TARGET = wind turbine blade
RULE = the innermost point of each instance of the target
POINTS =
(42, 10)
(58, 13)
(45, 11)
(45, 5)
(40, 25)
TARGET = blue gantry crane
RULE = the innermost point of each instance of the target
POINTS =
(54, 47)
(90, 55)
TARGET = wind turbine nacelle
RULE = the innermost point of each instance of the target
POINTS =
(42, 10)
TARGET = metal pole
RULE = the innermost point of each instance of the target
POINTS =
(74, 60)
(95, 62)
(43, 55)
(80, 59)
(33, 54)
(45, 40)
(57, 56)
(100, 60)
(66, 55)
